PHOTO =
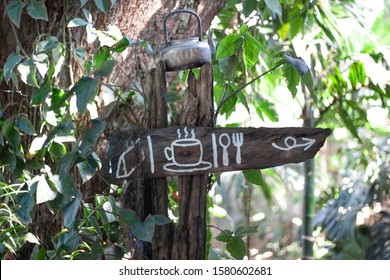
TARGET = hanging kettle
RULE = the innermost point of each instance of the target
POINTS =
(185, 53)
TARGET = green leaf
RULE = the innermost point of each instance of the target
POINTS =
(267, 108)
(381, 28)
(121, 45)
(87, 170)
(243, 29)
(70, 241)
(348, 122)
(243, 100)
(66, 186)
(292, 77)
(28, 70)
(307, 80)
(44, 193)
(274, 6)
(95, 223)
(57, 150)
(11, 132)
(106, 68)
(77, 22)
(243, 231)
(128, 216)
(83, 2)
(297, 22)
(255, 177)
(236, 247)
(85, 90)
(39, 254)
(91, 136)
(14, 11)
(340, 79)
(251, 48)
(352, 76)
(161, 220)
(101, 57)
(31, 238)
(361, 72)
(228, 106)
(102, 5)
(12, 60)
(66, 163)
(248, 7)
(144, 231)
(25, 125)
(225, 236)
(328, 25)
(58, 99)
(230, 45)
(71, 209)
(8, 158)
(26, 204)
(39, 95)
(62, 129)
(37, 10)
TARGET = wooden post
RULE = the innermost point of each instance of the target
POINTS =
(190, 235)
(157, 188)
(150, 195)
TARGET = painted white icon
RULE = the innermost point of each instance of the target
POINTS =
(238, 141)
(291, 143)
(151, 156)
(122, 170)
(224, 144)
(215, 149)
(185, 154)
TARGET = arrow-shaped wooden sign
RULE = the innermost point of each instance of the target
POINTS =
(184, 150)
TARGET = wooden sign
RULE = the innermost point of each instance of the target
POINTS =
(185, 150)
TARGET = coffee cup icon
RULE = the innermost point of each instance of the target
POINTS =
(185, 155)
(185, 152)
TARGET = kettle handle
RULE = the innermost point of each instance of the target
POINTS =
(181, 11)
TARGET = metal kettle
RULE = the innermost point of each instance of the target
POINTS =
(186, 53)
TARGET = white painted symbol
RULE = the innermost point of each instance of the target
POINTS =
(238, 141)
(121, 171)
(215, 150)
(151, 156)
(225, 154)
(185, 154)
(291, 143)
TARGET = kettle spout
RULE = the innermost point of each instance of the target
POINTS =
(211, 43)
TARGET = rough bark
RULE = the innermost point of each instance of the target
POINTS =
(157, 189)
(144, 20)
(191, 233)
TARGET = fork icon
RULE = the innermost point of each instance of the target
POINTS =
(238, 141)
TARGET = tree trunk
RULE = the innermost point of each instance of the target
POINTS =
(191, 233)
(308, 196)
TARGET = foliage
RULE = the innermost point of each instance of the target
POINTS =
(352, 220)
(342, 88)
(39, 156)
